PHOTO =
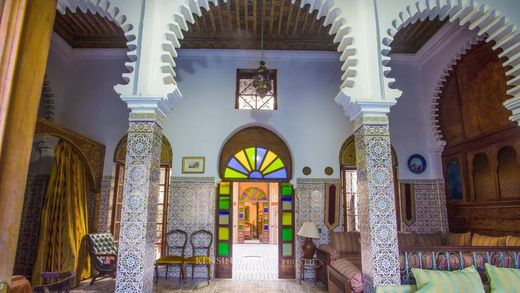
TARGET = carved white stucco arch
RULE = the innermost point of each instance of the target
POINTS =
(126, 14)
(486, 21)
(333, 12)
(47, 101)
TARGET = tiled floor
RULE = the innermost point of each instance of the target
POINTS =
(215, 286)
(255, 262)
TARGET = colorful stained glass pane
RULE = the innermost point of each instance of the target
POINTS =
(287, 249)
(287, 189)
(287, 234)
(255, 163)
(223, 249)
(224, 188)
(223, 203)
(286, 205)
(286, 218)
(266, 227)
(223, 219)
(223, 233)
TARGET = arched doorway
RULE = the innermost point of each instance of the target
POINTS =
(255, 207)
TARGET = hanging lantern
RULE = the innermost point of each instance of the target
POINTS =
(262, 82)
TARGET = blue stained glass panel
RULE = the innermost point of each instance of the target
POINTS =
(286, 198)
(280, 174)
(266, 210)
(240, 216)
(266, 227)
(223, 212)
(255, 175)
(260, 154)
(233, 163)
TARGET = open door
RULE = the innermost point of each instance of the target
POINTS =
(286, 252)
(224, 231)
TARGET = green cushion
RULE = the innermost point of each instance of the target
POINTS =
(503, 279)
(396, 289)
(466, 280)
(428, 288)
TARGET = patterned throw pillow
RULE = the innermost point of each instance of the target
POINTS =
(502, 279)
(466, 280)
(483, 240)
(396, 289)
(512, 241)
(459, 239)
(429, 240)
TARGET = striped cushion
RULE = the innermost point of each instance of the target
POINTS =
(459, 239)
(483, 240)
(351, 272)
(466, 280)
(346, 242)
(503, 280)
(512, 241)
(429, 240)
(406, 239)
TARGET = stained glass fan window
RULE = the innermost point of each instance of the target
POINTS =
(246, 96)
(255, 163)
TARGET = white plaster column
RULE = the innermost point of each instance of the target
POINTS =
(136, 253)
(513, 105)
(378, 223)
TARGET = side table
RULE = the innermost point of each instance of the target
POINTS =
(309, 264)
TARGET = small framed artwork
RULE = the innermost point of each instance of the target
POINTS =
(193, 165)
(417, 164)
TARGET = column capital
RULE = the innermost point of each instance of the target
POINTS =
(152, 108)
(513, 105)
(356, 109)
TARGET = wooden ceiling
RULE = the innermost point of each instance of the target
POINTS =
(411, 38)
(237, 24)
(88, 30)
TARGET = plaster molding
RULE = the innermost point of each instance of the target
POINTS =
(486, 21)
(354, 109)
(227, 54)
(141, 106)
(514, 106)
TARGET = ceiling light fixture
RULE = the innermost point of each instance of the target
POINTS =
(262, 81)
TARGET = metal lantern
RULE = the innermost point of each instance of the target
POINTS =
(262, 82)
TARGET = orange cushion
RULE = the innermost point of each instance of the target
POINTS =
(351, 272)
(346, 242)
(172, 259)
(512, 241)
(429, 240)
(483, 240)
(459, 239)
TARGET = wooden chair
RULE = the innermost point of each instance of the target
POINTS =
(201, 241)
(175, 240)
(63, 282)
(103, 254)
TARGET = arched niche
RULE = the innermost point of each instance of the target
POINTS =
(259, 137)
(166, 151)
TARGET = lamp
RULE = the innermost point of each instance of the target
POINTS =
(309, 230)
(262, 82)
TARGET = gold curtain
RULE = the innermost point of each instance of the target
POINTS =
(64, 219)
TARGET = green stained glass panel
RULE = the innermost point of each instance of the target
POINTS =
(251, 154)
(287, 249)
(277, 164)
(223, 219)
(223, 249)
(286, 219)
(223, 233)
(287, 205)
(287, 189)
(287, 234)
(224, 188)
(230, 173)
(223, 203)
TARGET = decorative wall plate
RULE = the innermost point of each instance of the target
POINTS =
(416, 164)
(329, 171)
(306, 170)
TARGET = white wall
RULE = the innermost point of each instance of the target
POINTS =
(83, 85)
(308, 119)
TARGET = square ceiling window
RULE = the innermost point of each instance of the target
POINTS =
(247, 97)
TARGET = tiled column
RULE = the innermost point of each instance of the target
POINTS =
(378, 225)
(138, 217)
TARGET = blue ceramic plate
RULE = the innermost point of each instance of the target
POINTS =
(417, 164)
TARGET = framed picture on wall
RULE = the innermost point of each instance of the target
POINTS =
(193, 165)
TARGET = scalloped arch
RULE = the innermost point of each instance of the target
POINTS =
(325, 8)
(112, 12)
(488, 23)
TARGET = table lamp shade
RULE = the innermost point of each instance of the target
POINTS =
(309, 230)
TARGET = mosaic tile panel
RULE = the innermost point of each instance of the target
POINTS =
(30, 224)
(310, 206)
(378, 225)
(105, 204)
(430, 207)
(191, 208)
(137, 239)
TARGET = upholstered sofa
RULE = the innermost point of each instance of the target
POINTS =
(341, 271)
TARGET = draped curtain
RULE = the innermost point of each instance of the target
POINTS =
(64, 219)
